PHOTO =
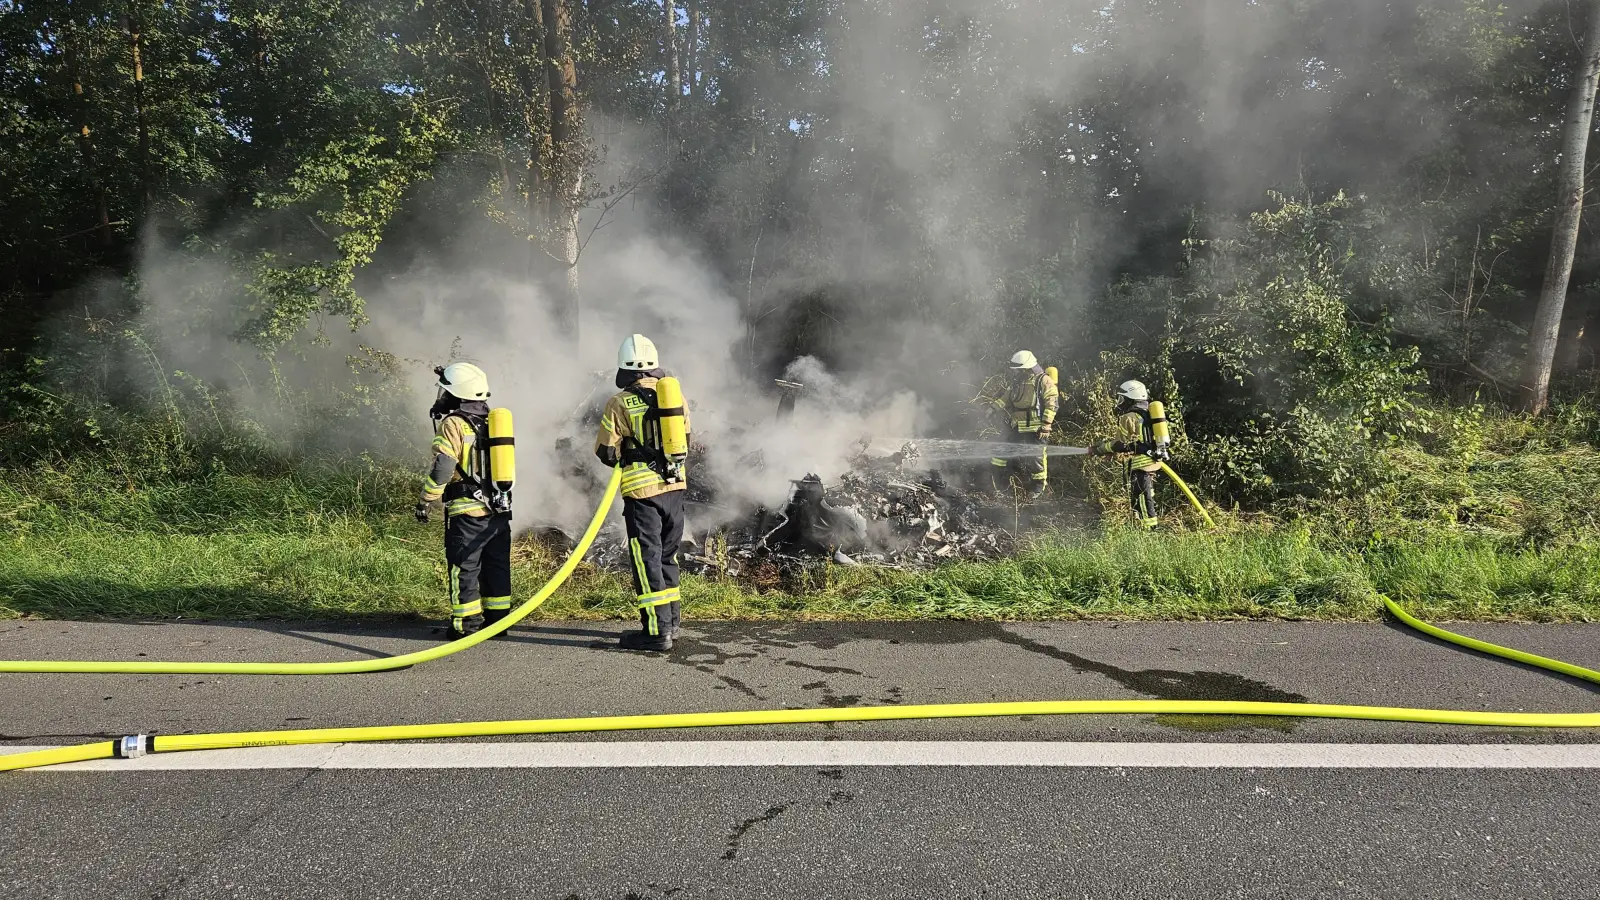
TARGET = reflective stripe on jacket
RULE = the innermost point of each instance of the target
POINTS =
(1029, 402)
(622, 425)
(1134, 428)
(454, 443)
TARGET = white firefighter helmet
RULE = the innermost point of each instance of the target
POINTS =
(1133, 390)
(1024, 359)
(465, 381)
(637, 354)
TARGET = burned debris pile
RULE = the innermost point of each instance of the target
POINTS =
(900, 503)
(883, 511)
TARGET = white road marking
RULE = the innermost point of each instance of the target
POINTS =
(637, 754)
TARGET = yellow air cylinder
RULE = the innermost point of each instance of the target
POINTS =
(1158, 424)
(1051, 371)
(674, 432)
(502, 450)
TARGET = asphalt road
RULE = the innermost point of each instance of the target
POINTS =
(803, 831)
(564, 669)
(904, 833)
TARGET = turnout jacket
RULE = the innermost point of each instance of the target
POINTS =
(1134, 437)
(626, 436)
(456, 451)
(1029, 402)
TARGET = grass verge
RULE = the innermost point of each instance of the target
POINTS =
(78, 540)
(353, 567)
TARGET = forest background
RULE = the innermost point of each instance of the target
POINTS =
(235, 235)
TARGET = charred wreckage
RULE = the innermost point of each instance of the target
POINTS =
(895, 509)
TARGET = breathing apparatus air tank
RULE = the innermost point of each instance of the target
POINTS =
(502, 459)
(1160, 433)
(1054, 379)
(674, 431)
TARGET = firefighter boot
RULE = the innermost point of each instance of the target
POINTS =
(638, 640)
(642, 639)
(462, 626)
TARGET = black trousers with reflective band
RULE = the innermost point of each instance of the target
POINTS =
(477, 551)
(655, 528)
(1142, 491)
(1036, 468)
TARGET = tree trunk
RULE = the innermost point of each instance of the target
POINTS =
(669, 44)
(1569, 213)
(565, 162)
(141, 115)
(536, 123)
(691, 50)
(86, 146)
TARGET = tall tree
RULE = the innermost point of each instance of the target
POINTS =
(78, 49)
(567, 163)
(669, 45)
(131, 23)
(691, 59)
(1568, 216)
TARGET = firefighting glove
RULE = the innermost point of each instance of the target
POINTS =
(421, 512)
(1044, 434)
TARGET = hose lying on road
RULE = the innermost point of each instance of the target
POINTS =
(351, 666)
(139, 745)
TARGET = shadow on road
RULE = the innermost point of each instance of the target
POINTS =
(1416, 635)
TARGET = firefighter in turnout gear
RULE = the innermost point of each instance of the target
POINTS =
(645, 430)
(1142, 437)
(477, 518)
(1027, 398)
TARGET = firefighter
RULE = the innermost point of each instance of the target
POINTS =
(477, 528)
(1027, 397)
(645, 429)
(1143, 439)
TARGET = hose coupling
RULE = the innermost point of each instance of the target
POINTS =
(133, 746)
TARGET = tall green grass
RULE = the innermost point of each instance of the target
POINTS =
(1504, 529)
(344, 566)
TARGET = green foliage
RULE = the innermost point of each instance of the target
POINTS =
(354, 187)
(1289, 395)
(107, 397)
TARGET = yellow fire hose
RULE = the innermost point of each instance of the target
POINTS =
(1187, 493)
(341, 668)
(139, 745)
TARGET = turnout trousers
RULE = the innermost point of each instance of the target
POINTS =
(655, 527)
(1036, 468)
(477, 550)
(1142, 491)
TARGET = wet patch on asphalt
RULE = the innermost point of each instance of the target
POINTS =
(1173, 684)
